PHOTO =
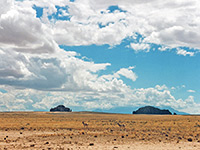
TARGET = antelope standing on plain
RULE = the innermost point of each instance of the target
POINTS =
(121, 125)
(84, 124)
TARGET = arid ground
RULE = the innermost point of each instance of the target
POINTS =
(45, 130)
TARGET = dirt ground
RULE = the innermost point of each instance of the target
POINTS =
(49, 131)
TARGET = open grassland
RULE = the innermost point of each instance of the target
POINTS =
(45, 130)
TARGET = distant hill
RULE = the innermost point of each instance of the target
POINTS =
(152, 110)
(61, 108)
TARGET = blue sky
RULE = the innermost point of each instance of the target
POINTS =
(89, 55)
(154, 68)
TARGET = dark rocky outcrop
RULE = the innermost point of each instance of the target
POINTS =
(61, 108)
(152, 110)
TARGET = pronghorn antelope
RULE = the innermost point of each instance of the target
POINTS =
(121, 125)
(84, 124)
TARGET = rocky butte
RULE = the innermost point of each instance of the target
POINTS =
(61, 108)
(152, 110)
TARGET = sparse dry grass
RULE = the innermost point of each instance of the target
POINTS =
(44, 129)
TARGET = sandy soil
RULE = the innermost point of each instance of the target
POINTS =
(62, 131)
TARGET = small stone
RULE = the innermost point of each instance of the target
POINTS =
(32, 145)
(47, 143)
(190, 140)
(91, 144)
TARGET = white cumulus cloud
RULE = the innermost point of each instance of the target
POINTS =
(168, 23)
(163, 87)
(126, 72)
(184, 52)
(191, 91)
(140, 47)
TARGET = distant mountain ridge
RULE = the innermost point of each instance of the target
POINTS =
(175, 111)
(152, 110)
(129, 110)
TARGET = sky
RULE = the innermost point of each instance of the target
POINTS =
(99, 54)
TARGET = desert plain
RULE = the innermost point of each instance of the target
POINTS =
(100, 131)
